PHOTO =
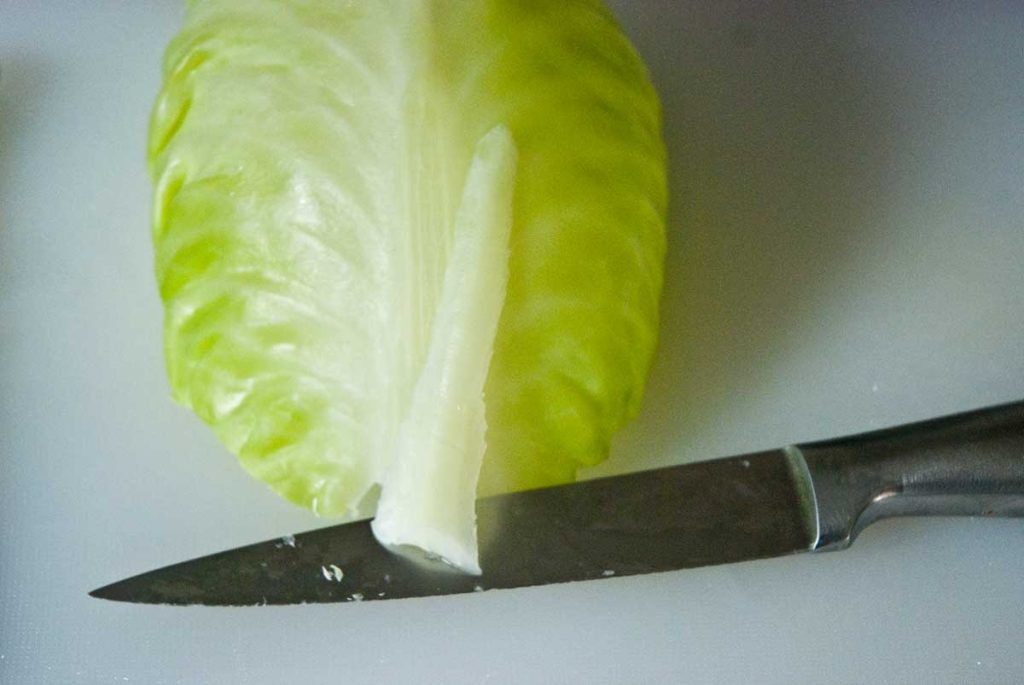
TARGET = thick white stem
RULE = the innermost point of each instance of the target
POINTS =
(429, 492)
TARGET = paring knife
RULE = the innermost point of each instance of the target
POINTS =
(804, 498)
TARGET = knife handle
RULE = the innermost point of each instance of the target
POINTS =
(969, 464)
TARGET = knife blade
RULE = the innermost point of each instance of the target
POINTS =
(803, 498)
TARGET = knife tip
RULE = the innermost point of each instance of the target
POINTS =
(120, 591)
(104, 593)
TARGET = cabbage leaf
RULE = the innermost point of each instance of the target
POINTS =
(414, 244)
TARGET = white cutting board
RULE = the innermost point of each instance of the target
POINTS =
(846, 252)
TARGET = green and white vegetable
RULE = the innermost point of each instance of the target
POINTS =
(408, 243)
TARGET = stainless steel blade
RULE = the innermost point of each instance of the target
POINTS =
(815, 496)
(698, 514)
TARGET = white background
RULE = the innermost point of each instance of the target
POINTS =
(846, 252)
